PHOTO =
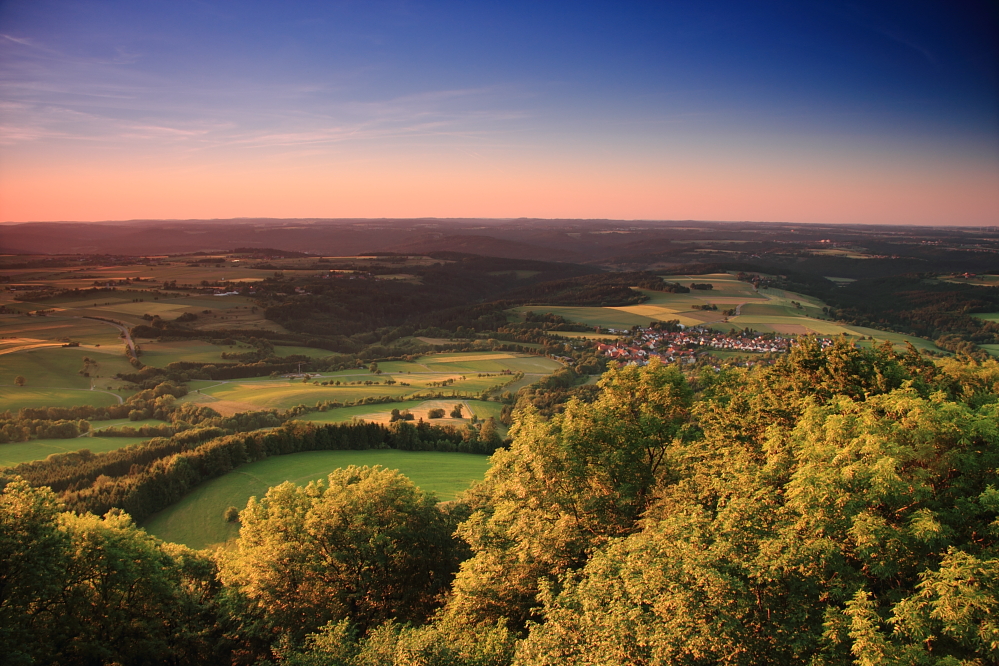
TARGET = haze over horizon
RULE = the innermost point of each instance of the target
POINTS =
(824, 112)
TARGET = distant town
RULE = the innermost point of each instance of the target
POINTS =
(682, 345)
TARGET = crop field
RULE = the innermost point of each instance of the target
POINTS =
(197, 521)
(37, 449)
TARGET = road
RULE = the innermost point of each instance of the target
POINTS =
(121, 327)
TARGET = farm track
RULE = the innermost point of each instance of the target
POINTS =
(121, 327)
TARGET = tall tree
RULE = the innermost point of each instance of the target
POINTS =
(564, 487)
(366, 545)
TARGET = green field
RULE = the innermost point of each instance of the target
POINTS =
(313, 352)
(197, 520)
(60, 367)
(266, 393)
(117, 423)
(128, 305)
(161, 354)
(14, 398)
(481, 409)
(602, 337)
(992, 349)
(987, 316)
(727, 292)
(20, 329)
(37, 449)
(765, 311)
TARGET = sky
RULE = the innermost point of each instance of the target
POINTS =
(865, 112)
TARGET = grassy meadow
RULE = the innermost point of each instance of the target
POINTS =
(481, 409)
(197, 519)
(426, 374)
(14, 453)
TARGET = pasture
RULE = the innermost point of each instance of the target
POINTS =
(15, 453)
(197, 521)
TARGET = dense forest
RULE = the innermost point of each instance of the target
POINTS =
(837, 507)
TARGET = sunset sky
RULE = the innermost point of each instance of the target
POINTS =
(856, 112)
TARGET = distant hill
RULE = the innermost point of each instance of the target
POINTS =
(488, 246)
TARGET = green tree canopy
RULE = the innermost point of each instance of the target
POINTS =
(366, 545)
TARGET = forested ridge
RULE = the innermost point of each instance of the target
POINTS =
(838, 507)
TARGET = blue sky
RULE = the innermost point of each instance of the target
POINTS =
(811, 111)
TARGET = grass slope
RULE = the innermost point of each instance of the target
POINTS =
(37, 449)
(14, 398)
(197, 519)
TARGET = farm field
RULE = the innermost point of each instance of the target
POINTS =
(20, 330)
(313, 352)
(987, 316)
(582, 335)
(766, 311)
(15, 453)
(14, 398)
(426, 374)
(592, 316)
(128, 305)
(162, 354)
(197, 521)
(992, 349)
(61, 367)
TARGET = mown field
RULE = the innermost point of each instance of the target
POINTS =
(18, 452)
(197, 520)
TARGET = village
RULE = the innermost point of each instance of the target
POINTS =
(682, 345)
